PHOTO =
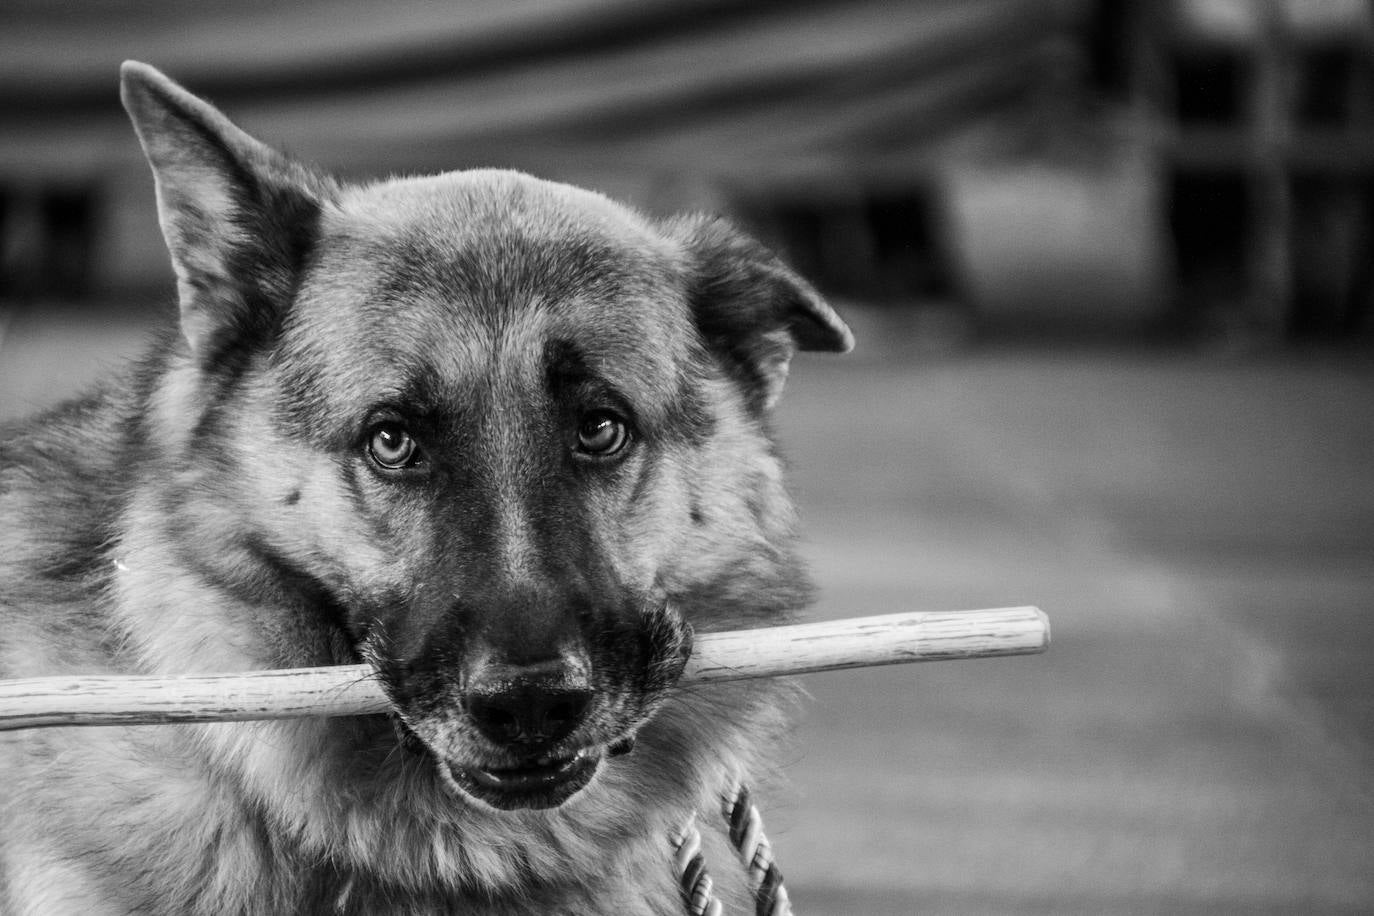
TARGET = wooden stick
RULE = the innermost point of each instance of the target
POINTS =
(350, 690)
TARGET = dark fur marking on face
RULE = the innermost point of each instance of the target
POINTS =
(644, 478)
(565, 366)
(502, 265)
(225, 385)
(690, 414)
(249, 328)
(242, 335)
(84, 552)
(217, 569)
(350, 473)
(425, 404)
(570, 380)
(294, 580)
(420, 269)
(276, 205)
(753, 501)
(300, 402)
(209, 428)
(686, 417)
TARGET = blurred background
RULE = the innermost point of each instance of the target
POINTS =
(1109, 267)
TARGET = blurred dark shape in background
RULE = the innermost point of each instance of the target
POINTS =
(993, 165)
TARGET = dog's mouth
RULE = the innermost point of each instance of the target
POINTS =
(541, 782)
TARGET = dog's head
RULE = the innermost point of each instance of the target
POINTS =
(499, 436)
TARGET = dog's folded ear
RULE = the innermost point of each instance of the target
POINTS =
(754, 311)
(238, 217)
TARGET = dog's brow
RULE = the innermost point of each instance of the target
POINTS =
(423, 393)
(566, 363)
(567, 368)
(418, 393)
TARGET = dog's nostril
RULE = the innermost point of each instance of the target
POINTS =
(528, 714)
(504, 723)
(558, 714)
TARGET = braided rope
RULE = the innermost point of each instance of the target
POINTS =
(692, 878)
(749, 840)
(747, 836)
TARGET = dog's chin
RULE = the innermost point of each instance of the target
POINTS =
(542, 783)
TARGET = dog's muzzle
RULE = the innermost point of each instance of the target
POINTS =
(514, 730)
(529, 712)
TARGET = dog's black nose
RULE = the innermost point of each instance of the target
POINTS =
(529, 706)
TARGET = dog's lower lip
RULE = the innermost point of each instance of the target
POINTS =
(545, 782)
(544, 772)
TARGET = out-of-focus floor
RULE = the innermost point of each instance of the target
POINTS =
(1200, 737)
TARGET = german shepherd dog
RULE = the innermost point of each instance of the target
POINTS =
(504, 439)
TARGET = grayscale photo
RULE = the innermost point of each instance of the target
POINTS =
(686, 458)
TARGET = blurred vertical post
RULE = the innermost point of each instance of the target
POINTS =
(1270, 245)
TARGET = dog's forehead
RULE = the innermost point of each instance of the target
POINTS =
(482, 197)
(454, 274)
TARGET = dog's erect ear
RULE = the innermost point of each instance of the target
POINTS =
(753, 310)
(238, 217)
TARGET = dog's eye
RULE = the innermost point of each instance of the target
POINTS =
(602, 434)
(392, 446)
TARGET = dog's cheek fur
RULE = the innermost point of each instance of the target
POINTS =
(713, 528)
(249, 516)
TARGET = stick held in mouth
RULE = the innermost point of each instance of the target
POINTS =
(350, 690)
